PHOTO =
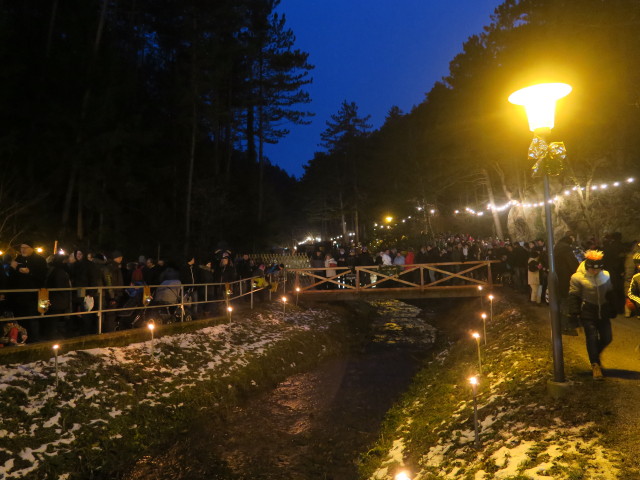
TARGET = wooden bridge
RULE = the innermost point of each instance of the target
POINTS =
(430, 280)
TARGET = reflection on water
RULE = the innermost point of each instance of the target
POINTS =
(312, 425)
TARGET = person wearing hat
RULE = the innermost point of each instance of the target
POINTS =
(591, 301)
(28, 271)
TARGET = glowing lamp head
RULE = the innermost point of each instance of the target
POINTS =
(39, 249)
(402, 476)
(491, 297)
(298, 289)
(388, 219)
(151, 326)
(473, 381)
(284, 299)
(56, 346)
(475, 335)
(480, 287)
(229, 309)
(484, 316)
(539, 102)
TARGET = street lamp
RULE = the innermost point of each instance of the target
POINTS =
(539, 102)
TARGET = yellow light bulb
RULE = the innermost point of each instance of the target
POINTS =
(539, 102)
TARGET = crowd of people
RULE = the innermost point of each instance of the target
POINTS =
(596, 281)
(81, 271)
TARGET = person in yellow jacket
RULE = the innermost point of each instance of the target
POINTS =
(633, 293)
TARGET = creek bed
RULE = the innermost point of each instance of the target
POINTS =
(313, 425)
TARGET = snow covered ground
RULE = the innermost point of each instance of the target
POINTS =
(522, 434)
(102, 389)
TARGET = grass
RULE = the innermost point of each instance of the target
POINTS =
(524, 433)
(113, 406)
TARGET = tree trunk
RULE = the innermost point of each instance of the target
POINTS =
(494, 212)
(52, 22)
(192, 155)
(83, 114)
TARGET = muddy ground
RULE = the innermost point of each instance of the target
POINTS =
(313, 425)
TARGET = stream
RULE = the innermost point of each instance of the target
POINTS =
(313, 425)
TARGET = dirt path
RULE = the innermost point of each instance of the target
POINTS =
(615, 403)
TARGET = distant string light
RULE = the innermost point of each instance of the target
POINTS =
(557, 198)
(511, 203)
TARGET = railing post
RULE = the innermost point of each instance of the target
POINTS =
(100, 310)
(357, 279)
(270, 288)
(251, 294)
(421, 277)
(284, 282)
(490, 277)
(181, 303)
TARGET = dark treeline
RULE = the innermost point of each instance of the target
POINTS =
(135, 123)
(466, 145)
(141, 124)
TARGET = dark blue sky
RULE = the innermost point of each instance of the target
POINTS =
(377, 53)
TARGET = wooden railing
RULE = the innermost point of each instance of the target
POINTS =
(428, 276)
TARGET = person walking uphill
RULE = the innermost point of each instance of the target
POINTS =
(591, 300)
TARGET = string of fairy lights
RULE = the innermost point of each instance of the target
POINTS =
(390, 222)
(479, 212)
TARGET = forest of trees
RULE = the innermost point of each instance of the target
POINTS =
(465, 145)
(141, 124)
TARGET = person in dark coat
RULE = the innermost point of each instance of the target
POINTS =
(84, 274)
(365, 260)
(114, 297)
(245, 267)
(206, 276)
(614, 256)
(566, 265)
(190, 274)
(60, 301)
(28, 271)
(317, 261)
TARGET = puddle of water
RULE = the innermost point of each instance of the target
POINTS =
(312, 425)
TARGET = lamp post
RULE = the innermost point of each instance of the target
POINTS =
(297, 294)
(476, 335)
(55, 354)
(491, 297)
(540, 103)
(229, 311)
(474, 387)
(284, 306)
(484, 327)
(151, 328)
